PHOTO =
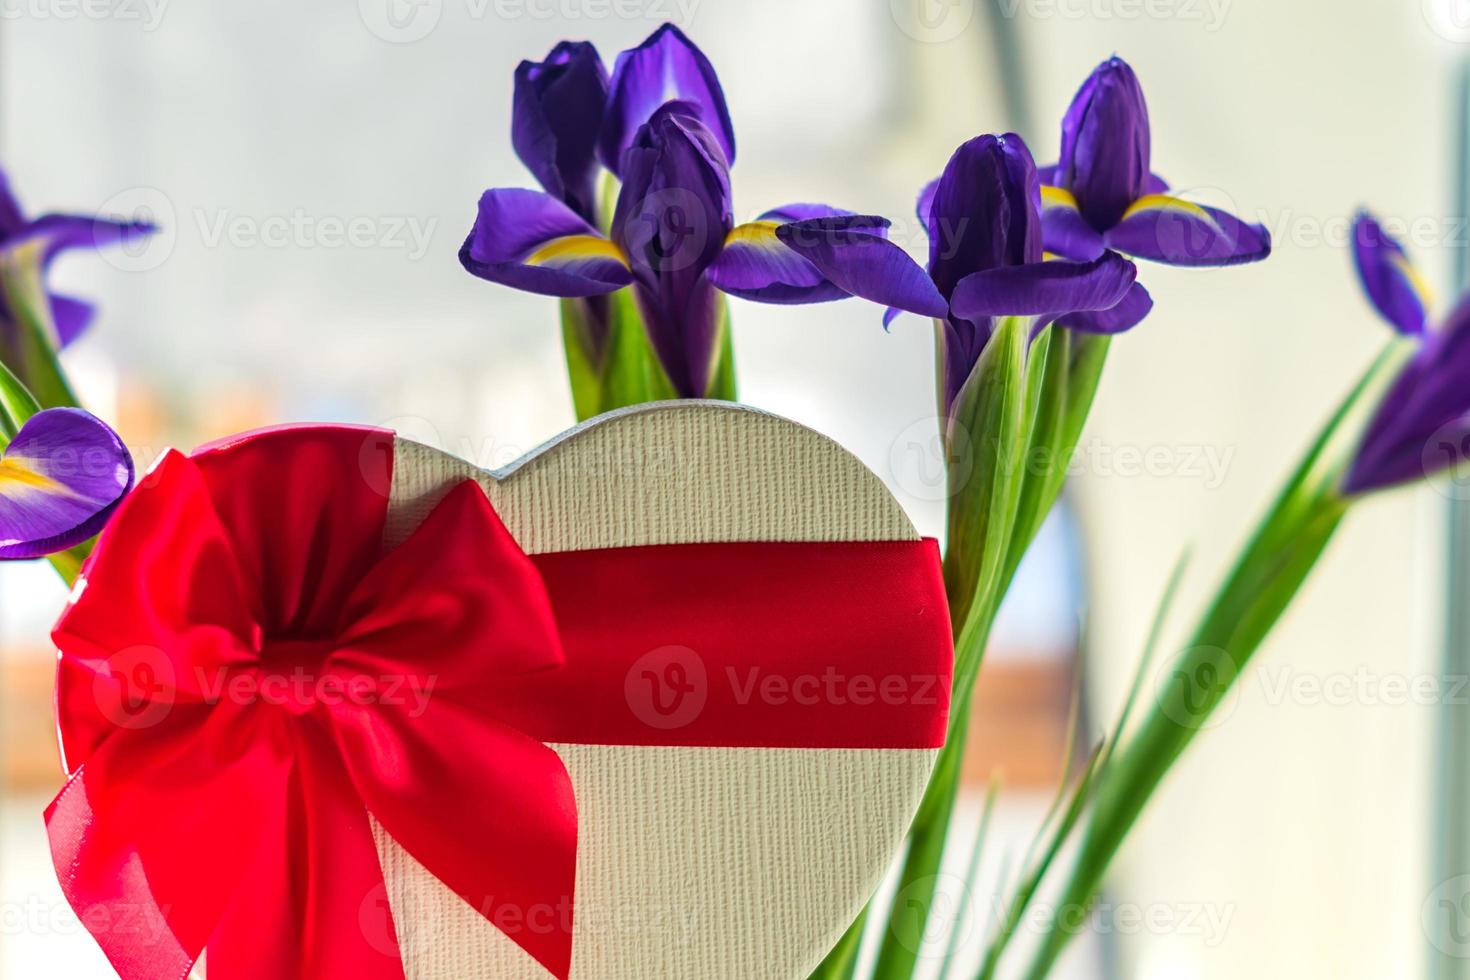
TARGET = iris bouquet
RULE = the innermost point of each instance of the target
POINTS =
(1030, 273)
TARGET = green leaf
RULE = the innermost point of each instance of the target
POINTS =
(722, 382)
(971, 880)
(17, 405)
(987, 435)
(1266, 577)
(34, 360)
(623, 370)
(1094, 776)
(986, 439)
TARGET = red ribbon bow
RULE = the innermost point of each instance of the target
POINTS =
(245, 677)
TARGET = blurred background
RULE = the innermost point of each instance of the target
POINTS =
(315, 166)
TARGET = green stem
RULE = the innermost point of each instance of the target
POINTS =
(1266, 578)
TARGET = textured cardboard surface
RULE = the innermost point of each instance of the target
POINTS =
(715, 864)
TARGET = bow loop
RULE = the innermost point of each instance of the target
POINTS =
(241, 668)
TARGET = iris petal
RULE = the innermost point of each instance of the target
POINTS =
(1130, 311)
(1106, 144)
(71, 316)
(854, 253)
(984, 212)
(532, 241)
(60, 479)
(1063, 228)
(1422, 425)
(59, 232)
(1044, 289)
(666, 67)
(1179, 232)
(757, 265)
(557, 111)
(1394, 286)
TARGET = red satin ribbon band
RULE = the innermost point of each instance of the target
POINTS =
(244, 678)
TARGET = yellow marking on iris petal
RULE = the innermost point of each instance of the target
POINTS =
(16, 477)
(1057, 197)
(760, 234)
(1415, 280)
(1163, 202)
(570, 248)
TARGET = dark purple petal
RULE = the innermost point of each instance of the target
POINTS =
(59, 232)
(1393, 285)
(664, 68)
(985, 210)
(71, 318)
(924, 207)
(1105, 144)
(1044, 289)
(1178, 232)
(532, 241)
(12, 219)
(1064, 231)
(854, 254)
(1130, 311)
(672, 219)
(1153, 185)
(556, 115)
(1422, 425)
(787, 213)
(755, 265)
(60, 479)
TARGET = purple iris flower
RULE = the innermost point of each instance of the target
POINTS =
(674, 240)
(569, 119)
(61, 477)
(1422, 425)
(567, 116)
(985, 260)
(53, 234)
(1101, 194)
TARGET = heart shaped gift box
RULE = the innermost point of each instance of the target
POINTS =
(658, 701)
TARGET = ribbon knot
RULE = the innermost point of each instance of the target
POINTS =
(386, 663)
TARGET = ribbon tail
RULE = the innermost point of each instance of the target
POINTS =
(487, 810)
(317, 907)
(151, 838)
